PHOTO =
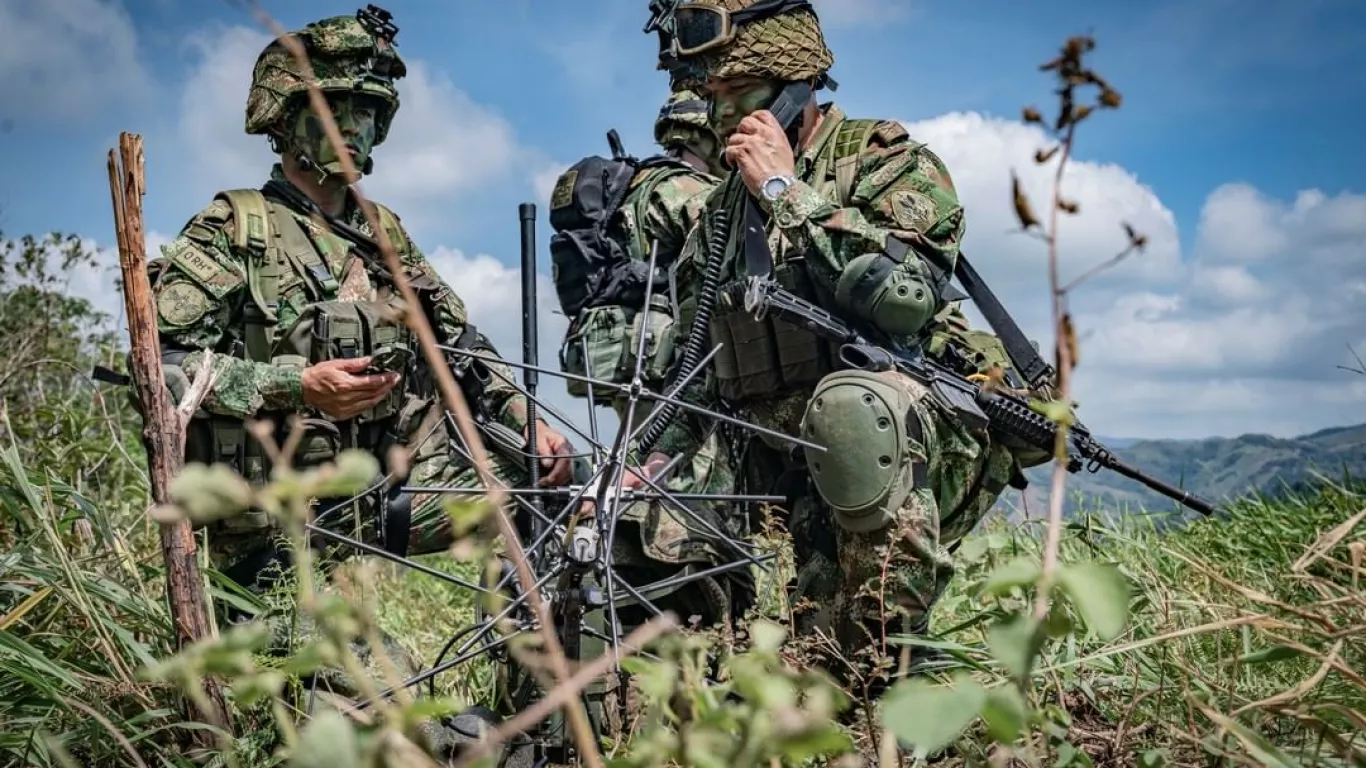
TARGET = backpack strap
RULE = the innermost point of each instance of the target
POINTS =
(251, 238)
(850, 139)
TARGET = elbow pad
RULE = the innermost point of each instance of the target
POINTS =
(890, 294)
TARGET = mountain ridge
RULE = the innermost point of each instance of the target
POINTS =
(1216, 468)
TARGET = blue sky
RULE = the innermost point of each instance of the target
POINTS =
(1234, 152)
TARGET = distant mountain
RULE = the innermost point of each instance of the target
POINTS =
(1216, 468)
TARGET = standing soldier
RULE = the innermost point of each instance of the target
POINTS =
(604, 237)
(866, 223)
(284, 286)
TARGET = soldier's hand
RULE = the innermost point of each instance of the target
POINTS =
(554, 450)
(341, 389)
(635, 478)
(759, 150)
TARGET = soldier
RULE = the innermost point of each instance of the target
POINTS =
(284, 287)
(865, 222)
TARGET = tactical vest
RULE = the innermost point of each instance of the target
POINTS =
(771, 357)
(599, 256)
(762, 358)
(293, 317)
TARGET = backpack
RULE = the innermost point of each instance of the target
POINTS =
(592, 263)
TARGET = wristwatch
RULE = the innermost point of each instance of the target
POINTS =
(774, 186)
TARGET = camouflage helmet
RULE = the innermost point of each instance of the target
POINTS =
(683, 115)
(351, 54)
(784, 42)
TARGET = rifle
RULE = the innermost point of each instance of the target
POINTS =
(979, 407)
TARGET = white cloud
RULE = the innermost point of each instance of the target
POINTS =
(1243, 335)
(64, 59)
(492, 292)
(442, 143)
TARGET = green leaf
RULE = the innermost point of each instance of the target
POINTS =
(1055, 411)
(1270, 654)
(210, 492)
(1152, 758)
(327, 742)
(1005, 714)
(930, 717)
(1014, 642)
(1020, 572)
(766, 636)
(1101, 595)
(466, 514)
(429, 709)
(353, 472)
(259, 686)
(1058, 624)
(974, 549)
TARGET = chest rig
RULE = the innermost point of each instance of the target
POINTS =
(309, 299)
(771, 357)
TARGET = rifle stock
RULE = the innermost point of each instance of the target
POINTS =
(979, 407)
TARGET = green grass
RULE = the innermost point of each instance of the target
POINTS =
(1192, 640)
(81, 611)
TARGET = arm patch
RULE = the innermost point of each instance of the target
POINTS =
(215, 277)
(181, 303)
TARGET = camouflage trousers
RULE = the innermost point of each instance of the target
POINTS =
(865, 586)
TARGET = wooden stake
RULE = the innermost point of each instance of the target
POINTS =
(163, 431)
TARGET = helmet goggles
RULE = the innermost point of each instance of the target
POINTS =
(702, 26)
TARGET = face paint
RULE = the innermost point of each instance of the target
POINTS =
(732, 100)
(355, 116)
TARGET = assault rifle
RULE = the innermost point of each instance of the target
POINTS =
(979, 407)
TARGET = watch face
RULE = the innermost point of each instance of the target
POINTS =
(774, 187)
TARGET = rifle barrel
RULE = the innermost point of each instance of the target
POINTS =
(1185, 498)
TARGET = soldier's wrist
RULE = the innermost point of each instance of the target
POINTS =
(792, 208)
(291, 383)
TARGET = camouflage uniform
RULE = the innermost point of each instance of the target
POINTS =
(903, 480)
(662, 207)
(268, 290)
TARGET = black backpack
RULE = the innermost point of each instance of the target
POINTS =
(590, 264)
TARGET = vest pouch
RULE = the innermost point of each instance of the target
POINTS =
(803, 357)
(725, 365)
(658, 325)
(321, 442)
(756, 357)
(344, 330)
(604, 330)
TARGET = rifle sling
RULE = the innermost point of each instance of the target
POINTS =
(1018, 348)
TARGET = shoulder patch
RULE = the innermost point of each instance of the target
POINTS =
(912, 210)
(563, 194)
(182, 303)
(212, 275)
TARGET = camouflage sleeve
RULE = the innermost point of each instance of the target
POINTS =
(504, 400)
(903, 190)
(674, 207)
(200, 291)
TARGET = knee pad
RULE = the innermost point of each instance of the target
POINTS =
(874, 453)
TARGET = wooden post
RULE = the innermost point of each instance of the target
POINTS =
(163, 430)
